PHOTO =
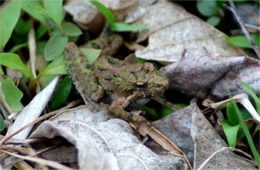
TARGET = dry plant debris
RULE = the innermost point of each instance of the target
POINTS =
(197, 60)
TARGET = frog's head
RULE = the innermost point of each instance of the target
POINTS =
(158, 83)
(154, 83)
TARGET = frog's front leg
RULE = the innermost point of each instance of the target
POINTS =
(117, 109)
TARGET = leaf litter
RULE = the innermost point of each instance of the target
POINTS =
(104, 143)
(198, 62)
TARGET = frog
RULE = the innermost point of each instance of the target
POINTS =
(109, 44)
(109, 77)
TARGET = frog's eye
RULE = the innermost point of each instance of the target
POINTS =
(158, 85)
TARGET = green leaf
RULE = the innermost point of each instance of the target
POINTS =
(44, 81)
(231, 114)
(118, 27)
(8, 19)
(55, 47)
(29, 6)
(14, 61)
(213, 20)
(181, 105)
(41, 30)
(230, 132)
(57, 67)
(254, 96)
(240, 0)
(2, 124)
(247, 134)
(257, 128)
(61, 94)
(49, 20)
(73, 39)
(1, 71)
(18, 47)
(71, 29)
(123, 27)
(105, 11)
(207, 8)
(91, 54)
(23, 27)
(150, 111)
(241, 40)
(140, 60)
(12, 94)
(40, 48)
(55, 9)
(165, 111)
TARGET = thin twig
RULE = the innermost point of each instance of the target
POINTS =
(221, 150)
(39, 161)
(256, 28)
(232, 8)
(32, 50)
(146, 129)
(166, 103)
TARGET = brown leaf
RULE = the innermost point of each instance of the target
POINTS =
(32, 111)
(198, 70)
(172, 30)
(64, 154)
(85, 15)
(249, 73)
(191, 131)
(103, 143)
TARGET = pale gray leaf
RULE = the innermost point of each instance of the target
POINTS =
(191, 131)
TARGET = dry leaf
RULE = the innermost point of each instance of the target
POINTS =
(103, 143)
(192, 132)
(32, 111)
(14, 74)
(241, 98)
(89, 18)
(172, 30)
(63, 154)
(85, 15)
(198, 70)
(248, 13)
(249, 73)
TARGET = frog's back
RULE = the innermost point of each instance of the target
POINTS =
(82, 73)
(115, 75)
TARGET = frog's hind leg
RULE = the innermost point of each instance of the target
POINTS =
(117, 109)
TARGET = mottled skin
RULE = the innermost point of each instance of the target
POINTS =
(109, 45)
(108, 76)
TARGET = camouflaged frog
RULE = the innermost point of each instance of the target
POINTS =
(109, 77)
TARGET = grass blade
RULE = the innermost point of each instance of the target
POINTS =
(8, 19)
(252, 93)
(123, 27)
(55, 9)
(55, 47)
(247, 134)
(12, 94)
(12, 60)
(105, 11)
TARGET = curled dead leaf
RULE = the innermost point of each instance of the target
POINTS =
(198, 70)
(103, 143)
(192, 132)
(249, 73)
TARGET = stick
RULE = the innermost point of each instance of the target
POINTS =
(232, 8)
